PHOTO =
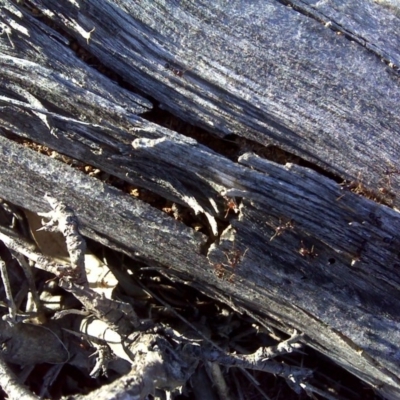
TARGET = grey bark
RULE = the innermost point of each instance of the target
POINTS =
(276, 75)
(266, 72)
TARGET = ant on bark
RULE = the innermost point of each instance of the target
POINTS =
(231, 205)
(281, 228)
(233, 257)
(304, 251)
(175, 71)
(219, 270)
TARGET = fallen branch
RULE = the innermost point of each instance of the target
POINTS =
(160, 358)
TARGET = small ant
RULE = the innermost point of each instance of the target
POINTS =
(220, 271)
(304, 252)
(231, 205)
(64, 273)
(360, 250)
(279, 230)
(175, 71)
(234, 257)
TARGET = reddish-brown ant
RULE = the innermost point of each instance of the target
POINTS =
(231, 205)
(220, 271)
(304, 251)
(234, 257)
(281, 228)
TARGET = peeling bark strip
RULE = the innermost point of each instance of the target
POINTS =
(265, 72)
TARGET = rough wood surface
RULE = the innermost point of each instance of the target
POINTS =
(349, 312)
(373, 25)
(332, 268)
(264, 71)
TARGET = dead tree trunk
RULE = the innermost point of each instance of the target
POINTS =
(319, 81)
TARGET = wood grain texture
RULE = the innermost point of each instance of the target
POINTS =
(104, 209)
(372, 24)
(265, 72)
(349, 312)
(39, 68)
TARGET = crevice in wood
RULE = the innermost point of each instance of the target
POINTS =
(175, 211)
(81, 52)
(308, 11)
(231, 146)
(226, 147)
(86, 56)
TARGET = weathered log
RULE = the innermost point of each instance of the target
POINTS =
(304, 251)
(270, 73)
